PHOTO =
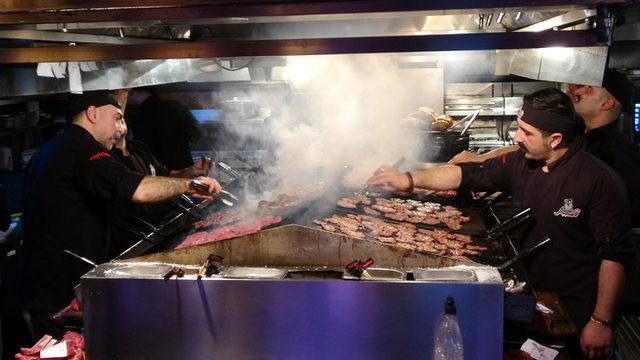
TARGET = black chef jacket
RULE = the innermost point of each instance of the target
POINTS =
(581, 204)
(167, 128)
(69, 182)
(610, 145)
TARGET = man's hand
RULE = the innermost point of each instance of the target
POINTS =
(208, 188)
(466, 157)
(595, 340)
(389, 179)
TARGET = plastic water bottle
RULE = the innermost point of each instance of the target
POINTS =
(447, 340)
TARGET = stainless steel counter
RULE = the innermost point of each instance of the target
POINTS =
(131, 312)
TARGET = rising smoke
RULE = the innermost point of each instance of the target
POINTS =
(344, 112)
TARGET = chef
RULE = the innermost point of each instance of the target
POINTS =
(576, 200)
(68, 185)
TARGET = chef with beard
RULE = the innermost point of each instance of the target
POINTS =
(576, 200)
(69, 184)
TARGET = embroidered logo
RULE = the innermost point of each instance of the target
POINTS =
(567, 210)
(99, 155)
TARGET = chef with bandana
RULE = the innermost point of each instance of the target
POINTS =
(576, 200)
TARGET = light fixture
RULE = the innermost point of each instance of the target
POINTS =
(518, 15)
(64, 28)
(121, 33)
(499, 19)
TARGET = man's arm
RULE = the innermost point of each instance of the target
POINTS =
(595, 339)
(388, 178)
(159, 188)
(466, 156)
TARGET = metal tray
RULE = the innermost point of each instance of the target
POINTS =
(378, 274)
(444, 275)
(138, 271)
(253, 273)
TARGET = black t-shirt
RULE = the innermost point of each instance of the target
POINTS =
(610, 145)
(167, 127)
(68, 185)
(140, 159)
(125, 214)
(580, 203)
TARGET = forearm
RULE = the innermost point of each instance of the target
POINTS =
(611, 280)
(445, 177)
(159, 188)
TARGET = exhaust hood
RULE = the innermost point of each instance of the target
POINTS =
(111, 44)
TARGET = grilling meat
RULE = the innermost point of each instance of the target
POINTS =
(412, 211)
(220, 218)
(281, 202)
(244, 227)
(404, 235)
(348, 203)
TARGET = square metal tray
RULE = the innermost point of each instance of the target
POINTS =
(444, 275)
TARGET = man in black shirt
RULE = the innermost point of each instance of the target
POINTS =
(68, 185)
(137, 157)
(167, 127)
(576, 200)
(600, 108)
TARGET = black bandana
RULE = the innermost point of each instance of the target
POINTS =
(547, 121)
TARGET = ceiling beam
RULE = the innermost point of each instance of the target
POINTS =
(69, 37)
(357, 45)
(77, 11)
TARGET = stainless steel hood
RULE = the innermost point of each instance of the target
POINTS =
(117, 35)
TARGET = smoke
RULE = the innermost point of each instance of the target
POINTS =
(341, 118)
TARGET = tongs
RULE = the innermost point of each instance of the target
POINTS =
(225, 197)
(469, 118)
(512, 223)
(524, 253)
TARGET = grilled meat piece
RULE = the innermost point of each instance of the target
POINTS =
(348, 203)
(370, 211)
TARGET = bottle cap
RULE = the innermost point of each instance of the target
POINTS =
(450, 306)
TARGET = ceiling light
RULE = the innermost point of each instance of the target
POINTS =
(499, 19)
(518, 15)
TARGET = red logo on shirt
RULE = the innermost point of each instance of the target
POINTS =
(99, 155)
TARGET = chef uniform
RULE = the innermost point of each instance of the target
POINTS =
(68, 184)
(580, 203)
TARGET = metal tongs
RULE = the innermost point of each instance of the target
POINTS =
(469, 118)
(225, 197)
(524, 253)
(358, 268)
(512, 223)
(211, 266)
